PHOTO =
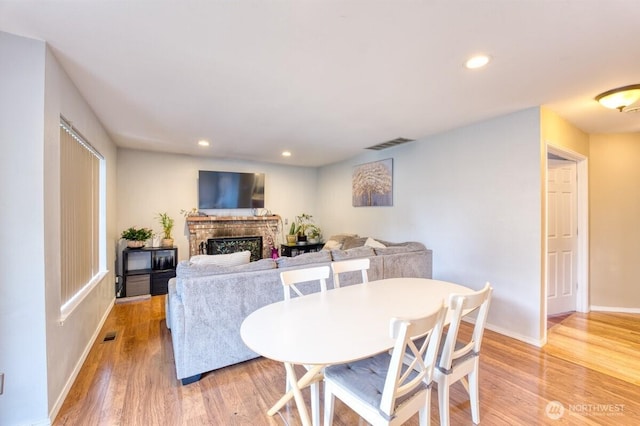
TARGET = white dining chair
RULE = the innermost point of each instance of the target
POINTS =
(350, 265)
(458, 358)
(289, 279)
(383, 390)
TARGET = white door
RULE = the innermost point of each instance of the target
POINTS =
(562, 239)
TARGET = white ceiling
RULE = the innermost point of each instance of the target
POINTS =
(325, 79)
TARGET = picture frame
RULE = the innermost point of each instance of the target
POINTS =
(372, 184)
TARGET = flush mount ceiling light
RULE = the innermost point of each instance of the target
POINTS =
(477, 61)
(203, 142)
(286, 153)
(620, 98)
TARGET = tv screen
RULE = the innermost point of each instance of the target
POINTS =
(230, 190)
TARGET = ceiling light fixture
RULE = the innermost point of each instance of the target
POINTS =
(286, 153)
(477, 61)
(203, 142)
(620, 98)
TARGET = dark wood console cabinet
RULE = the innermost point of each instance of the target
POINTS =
(292, 250)
(148, 270)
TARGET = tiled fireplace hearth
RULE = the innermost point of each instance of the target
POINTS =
(202, 228)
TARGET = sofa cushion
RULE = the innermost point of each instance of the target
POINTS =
(187, 269)
(230, 259)
(352, 253)
(304, 259)
(399, 248)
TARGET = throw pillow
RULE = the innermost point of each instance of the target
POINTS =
(353, 242)
(336, 241)
(331, 244)
(230, 259)
(373, 243)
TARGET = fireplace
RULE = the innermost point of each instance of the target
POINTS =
(234, 244)
(226, 229)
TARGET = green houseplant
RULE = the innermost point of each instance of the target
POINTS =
(136, 237)
(293, 233)
(167, 227)
(306, 228)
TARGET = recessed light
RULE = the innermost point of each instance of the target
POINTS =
(477, 61)
(203, 142)
(286, 153)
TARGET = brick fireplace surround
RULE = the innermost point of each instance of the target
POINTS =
(201, 228)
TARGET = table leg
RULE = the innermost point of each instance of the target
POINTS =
(313, 375)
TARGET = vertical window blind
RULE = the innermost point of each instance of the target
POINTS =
(80, 213)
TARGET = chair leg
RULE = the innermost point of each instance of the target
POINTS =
(329, 400)
(425, 411)
(474, 395)
(443, 402)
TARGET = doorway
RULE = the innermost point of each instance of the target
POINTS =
(567, 262)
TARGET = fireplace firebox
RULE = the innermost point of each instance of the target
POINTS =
(235, 244)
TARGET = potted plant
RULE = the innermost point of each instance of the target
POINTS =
(313, 232)
(293, 233)
(167, 227)
(136, 237)
(305, 227)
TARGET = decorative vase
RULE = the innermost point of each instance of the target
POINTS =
(302, 239)
(167, 242)
(291, 239)
(135, 244)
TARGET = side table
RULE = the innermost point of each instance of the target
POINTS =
(292, 250)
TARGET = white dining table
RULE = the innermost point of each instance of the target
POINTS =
(338, 326)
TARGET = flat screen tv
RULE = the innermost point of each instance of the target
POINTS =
(230, 190)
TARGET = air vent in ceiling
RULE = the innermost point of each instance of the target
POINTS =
(389, 144)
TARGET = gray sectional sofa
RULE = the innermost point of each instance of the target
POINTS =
(206, 304)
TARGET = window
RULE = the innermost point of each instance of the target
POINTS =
(81, 217)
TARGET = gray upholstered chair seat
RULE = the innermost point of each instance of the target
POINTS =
(457, 361)
(366, 378)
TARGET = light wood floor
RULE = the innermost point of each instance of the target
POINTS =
(591, 366)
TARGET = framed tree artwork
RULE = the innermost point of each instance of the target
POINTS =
(372, 184)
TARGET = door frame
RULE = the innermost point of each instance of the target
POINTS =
(582, 207)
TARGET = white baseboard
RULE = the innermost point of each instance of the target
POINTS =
(615, 309)
(526, 339)
(509, 333)
(120, 300)
(74, 374)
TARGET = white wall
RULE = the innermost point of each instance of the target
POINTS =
(38, 355)
(68, 344)
(472, 195)
(151, 182)
(22, 304)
